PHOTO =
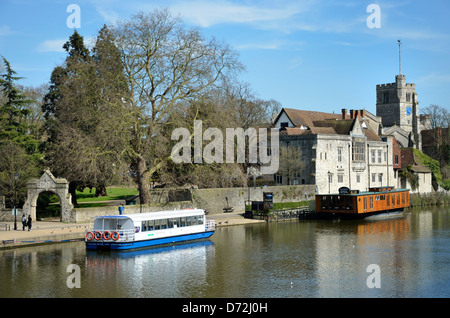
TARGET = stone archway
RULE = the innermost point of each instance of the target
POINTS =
(47, 182)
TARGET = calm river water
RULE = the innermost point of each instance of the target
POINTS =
(410, 254)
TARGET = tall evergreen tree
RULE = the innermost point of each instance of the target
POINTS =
(82, 110)
(13, 111)
(18, 147)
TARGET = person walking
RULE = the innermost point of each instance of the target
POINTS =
(24, 222)
(29, 223)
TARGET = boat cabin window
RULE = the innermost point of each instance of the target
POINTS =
(113, 223)
(169, 223)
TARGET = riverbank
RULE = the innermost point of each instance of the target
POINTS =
(50, 232)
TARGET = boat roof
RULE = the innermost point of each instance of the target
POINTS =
(155, 215)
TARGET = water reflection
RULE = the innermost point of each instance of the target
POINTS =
(155, 272)
(292, 259)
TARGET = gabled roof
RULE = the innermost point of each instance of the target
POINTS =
(305, 117)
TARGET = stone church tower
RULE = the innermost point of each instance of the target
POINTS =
(397, 105)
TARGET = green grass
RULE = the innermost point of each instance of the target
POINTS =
(284, 205)
(113, 194)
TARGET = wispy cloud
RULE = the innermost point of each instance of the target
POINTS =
(52, 45)
(108, 14)
(208, 13)
(57, 45)
(433, 79)
(5, 30)
(272, 45)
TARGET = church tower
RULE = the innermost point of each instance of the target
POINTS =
(397, 105)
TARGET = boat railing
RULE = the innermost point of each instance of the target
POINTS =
(210, 225)
(93, 235)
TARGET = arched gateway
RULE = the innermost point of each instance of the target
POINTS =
(47, 182)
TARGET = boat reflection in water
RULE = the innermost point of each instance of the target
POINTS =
(149, 272)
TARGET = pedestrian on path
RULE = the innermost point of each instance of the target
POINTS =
(24, 222)
(29, 223)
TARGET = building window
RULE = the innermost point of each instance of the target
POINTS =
(373, 177)
(372, 156)
(408, 97)
(396, 159)
(380, 177)
(340, 154)
(386, 98)
(358, 178)
(379, 156)
(284, 124)
(358, 151)
(278, 179)
(340, 178)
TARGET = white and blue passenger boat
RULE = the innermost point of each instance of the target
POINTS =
(122, 232)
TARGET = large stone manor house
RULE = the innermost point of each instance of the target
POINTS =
(354, 148)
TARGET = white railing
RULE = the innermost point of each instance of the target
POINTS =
(210, 225)
(109, 236)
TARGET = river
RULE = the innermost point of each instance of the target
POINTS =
(401, 256)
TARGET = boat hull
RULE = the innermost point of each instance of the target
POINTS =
(148, 243)
(356, 216)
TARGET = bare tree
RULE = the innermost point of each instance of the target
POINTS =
(165, 62)
(290, 162)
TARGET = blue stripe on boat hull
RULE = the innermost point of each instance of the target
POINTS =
(147, 243)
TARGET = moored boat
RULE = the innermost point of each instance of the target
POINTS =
(356, 204)
(122, 232)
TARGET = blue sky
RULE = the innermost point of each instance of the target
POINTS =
(307, 54)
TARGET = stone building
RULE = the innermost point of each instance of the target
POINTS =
(398, 107)
(418, 177)
(358, 149)
(336, 149)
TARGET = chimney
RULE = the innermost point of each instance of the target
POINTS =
(351, 114)
(363, 113)
(344, 113)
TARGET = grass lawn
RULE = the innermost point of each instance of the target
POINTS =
(113, 194)
(284, 205)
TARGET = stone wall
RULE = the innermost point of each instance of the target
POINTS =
(212, 200)
(85, 215)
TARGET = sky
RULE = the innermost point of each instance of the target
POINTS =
(321, 55)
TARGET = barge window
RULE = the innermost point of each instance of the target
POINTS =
(323, 202)
(163, 224)
(365, 203)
